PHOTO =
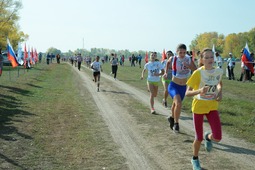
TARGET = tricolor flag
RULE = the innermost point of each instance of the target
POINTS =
(11, 54)
(163, 55)
(246, 58)
(146, 58)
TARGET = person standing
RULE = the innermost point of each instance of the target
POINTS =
(231, 66)
(181, 66)
(155, 69)
(58, 58)
(206, 86)
(79, 60)
(139, 58)
(114, 63)
(167, 80)
(1, 61)
(219, 60)
(96, 67)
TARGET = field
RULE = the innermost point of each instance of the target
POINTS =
(45, 123)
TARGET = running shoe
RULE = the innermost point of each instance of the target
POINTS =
(164, 103)
(207, 143)
(153, 111)
(171, 121)
(176, 128)
(196, 164)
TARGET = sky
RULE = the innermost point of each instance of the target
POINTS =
(149, 25)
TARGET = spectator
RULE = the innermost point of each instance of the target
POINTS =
(231, 66)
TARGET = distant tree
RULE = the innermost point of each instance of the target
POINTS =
(53, 50)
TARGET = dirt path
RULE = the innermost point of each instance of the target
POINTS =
(168, 151)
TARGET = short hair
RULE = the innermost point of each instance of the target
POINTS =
(181, 46)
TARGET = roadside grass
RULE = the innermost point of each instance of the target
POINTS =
(48, 121)
(237, 109)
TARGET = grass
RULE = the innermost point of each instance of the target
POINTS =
(237, 109)
(44, 123)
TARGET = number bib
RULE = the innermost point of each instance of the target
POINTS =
(210, 78)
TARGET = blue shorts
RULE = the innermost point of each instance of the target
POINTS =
(175, 89)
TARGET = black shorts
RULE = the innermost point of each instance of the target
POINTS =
(96, 73)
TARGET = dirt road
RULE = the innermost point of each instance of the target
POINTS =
(161, 148)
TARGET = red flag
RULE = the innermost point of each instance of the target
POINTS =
(36, 56)
(32, 56)
(146, 57)
(163, 55)
(25, 56)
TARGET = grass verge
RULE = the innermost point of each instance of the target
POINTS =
(48, 121)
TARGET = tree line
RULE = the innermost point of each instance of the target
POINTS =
(232, 43)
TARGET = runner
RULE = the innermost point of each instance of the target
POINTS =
(166, 81)
(154, 67)
(79, 60)
(114, 63)
(181, 66)
(206, 85)
(96, 68)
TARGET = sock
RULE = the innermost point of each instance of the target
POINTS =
(206, 137)
(195, 157)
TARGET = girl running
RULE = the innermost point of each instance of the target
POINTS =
(206, 86)
(181, 66)
(166, 81)
(155, 69)
(96, 67)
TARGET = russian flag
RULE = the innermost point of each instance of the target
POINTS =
(246, 58)
(11, 55)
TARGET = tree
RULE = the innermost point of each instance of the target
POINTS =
(8, 23)
(53, 50)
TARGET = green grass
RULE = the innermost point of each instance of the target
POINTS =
(237, 109)
(45, 123)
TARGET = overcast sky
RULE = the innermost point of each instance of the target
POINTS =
(130, 24)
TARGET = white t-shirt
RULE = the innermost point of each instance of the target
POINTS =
(209, 78)
(153, 67)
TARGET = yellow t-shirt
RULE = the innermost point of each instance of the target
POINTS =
(201, 77)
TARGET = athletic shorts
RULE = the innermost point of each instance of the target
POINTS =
(97, 73)
(175, 89)
(166, 81)
(155, 83)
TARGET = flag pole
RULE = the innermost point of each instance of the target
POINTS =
(9, 71)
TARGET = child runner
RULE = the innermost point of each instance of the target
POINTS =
(206, 86)
(154, 67)
(181, 67)
(96, 68)
(166, 81)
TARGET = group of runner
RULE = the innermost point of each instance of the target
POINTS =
(204, 84)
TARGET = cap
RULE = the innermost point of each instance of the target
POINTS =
(230, 53)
